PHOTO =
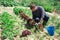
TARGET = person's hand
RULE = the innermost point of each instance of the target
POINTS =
(41, 20)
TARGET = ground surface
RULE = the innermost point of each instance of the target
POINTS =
(35, 36)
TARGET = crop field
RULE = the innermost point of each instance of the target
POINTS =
(12, 25)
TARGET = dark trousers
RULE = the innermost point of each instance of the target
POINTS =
(45, 20)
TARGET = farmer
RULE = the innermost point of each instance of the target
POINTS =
(39, 14)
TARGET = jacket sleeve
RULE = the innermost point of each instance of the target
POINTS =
(43, 11)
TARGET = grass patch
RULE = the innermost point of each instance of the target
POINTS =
(8, 25)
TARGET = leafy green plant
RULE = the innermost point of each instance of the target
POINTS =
(48, 8)
(16, 10)
(8, 25)
(25, 10)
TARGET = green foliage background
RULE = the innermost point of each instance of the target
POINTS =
(49, 5)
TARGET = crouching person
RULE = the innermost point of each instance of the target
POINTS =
(38, 14)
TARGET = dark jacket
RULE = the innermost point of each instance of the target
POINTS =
(40, 13)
